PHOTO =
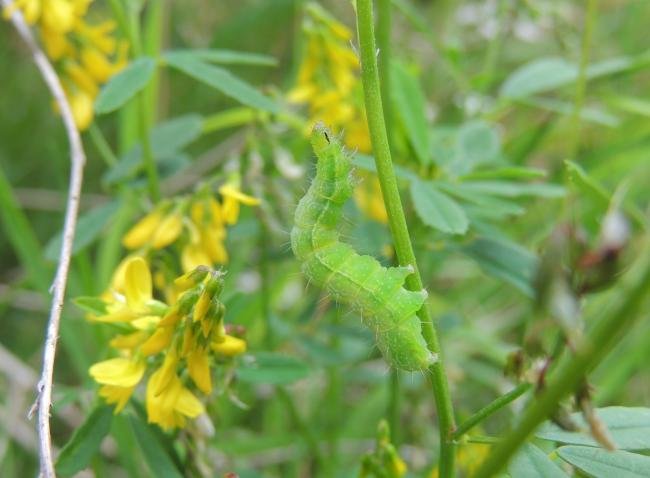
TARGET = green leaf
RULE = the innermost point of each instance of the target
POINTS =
(173, 135)
(549, 73)
(167, 140)
(476, 142)
(587, 113)
(222, 80)
(438, 210)
(273, 368)
(89, 226)
(601, 463)
(91, 304)
(409, 103)
(504, 260)
(482, 204)
(531, 462)
(85, 441)
(123, 86)
(513, 189)
(226, 57)
(158, 461)
(587, 186)
(19, 232)
(366, 162)
(629, 428)
(510, 172)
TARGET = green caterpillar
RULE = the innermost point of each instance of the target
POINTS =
(376, 292)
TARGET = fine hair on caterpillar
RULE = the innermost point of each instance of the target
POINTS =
(377, 293)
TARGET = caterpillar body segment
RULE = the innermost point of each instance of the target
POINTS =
(376, 292)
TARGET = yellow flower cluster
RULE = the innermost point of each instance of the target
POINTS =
(188, 335)
(328, 82)
(203, 217)
(85, 55)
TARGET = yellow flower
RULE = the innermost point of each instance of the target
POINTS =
(230, 346)
(232, 198)
(136, 305)
(120, 372)
(158, 341)
(97, 64)
(168, 401)
(369, 199)
(31, 10)
(469, 456)
(81, 104)
(142, 232)
(58, 15)
(198, 366)
(158, 229)
(117, 395)
(118, 377)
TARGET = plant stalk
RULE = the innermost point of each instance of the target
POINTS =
(398, 227)
(491, 408)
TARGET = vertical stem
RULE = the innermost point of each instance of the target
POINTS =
(144, 116)
(398, 227)
(571, 373)
(383, 42)
(384, 62)
(581, 83)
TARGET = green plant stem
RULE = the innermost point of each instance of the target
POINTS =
(144, 115)
(491, 408)
(581, 83)
(103, 148)
(398, 227)
(571, 373)
(383, 42)
(394, 406)
(302, 426)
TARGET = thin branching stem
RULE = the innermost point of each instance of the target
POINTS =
(77, 162)
(491, 408)
(398, 227)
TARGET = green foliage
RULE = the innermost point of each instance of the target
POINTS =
(520, 143)
(84, 444)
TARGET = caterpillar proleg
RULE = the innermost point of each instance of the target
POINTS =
(376, 292)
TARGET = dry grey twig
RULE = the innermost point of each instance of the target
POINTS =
(77, 159)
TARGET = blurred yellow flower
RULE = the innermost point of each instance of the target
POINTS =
(328, 82)
(84, 55)
(230, 346)
(118, 377)
(232, 198)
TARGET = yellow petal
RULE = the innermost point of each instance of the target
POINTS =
(120, 372)
(230, 210)
(137, 283)
(212, 242)
(58, 15)
(198, 367)
(146, 323)
(193, 256)
(128, 341)
(228, 190)
(142, 232)
(188, 405)
(168, 230)
(167, 373)
(118, 395)
(158, 341)
(81, 104)
(230, 346)
(122, 314)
